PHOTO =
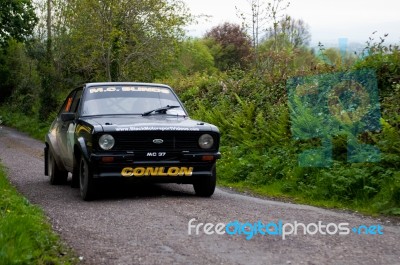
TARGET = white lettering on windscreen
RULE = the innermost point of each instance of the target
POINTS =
(152, 128)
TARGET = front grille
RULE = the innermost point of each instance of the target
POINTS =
(172, 141)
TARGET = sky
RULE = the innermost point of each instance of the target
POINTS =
(329, 20)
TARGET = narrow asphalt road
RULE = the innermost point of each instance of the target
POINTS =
(148, 224)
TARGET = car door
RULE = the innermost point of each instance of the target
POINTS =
(65, 133)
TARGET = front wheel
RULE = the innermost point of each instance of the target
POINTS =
(86, 182)
(205, 186)
(57, 176)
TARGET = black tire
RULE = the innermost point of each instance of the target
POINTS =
(57, 176)
(205, 186)
(86, 182)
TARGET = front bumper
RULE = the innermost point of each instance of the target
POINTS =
(174, 168)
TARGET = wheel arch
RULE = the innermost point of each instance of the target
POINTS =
(51, 146)
(80, 149)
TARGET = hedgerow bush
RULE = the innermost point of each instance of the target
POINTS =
(259, 152)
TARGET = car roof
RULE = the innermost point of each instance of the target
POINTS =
(125, 84)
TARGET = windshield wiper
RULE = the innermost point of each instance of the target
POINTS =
(162, 110)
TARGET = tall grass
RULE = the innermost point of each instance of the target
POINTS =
(26, 236)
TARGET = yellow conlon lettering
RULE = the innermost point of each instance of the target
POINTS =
(151, 171)
(184, 171)
(127, 172)
(156, 171)
(139, 171)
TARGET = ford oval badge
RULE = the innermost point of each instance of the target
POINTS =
(158, 141)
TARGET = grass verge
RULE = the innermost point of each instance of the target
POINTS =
(30, 125)
(274, 192)
(26, 237)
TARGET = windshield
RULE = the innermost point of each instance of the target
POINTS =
(114, 100)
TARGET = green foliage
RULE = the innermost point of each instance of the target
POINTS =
(194, 57)
(258, 152)
(385, 60)
(32, 125)
(25, 235)
(391, 107)
(19, 76)
(289, 31)
(336, 59)
(48, 98)
(389, 143)
(110, 41)
(17, 20)
(388, 198)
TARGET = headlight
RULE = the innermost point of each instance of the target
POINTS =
(106, 142)
(206, 141)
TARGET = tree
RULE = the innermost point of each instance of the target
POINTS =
(121, 40)
(262, 13)
(336, 58)
(17, 20)
(292, 31)
(195, 56)
(230, 45)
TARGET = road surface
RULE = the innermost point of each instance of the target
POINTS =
(148, 224)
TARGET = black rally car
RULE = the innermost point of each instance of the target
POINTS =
(139, 131)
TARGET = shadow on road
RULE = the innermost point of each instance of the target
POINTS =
(123, 189)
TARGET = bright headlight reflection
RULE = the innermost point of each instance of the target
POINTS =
(106, 142)
(206, 141)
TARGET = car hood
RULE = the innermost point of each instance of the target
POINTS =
(158, 122)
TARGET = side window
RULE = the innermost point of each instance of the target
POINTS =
(75, 102)
(68, 107)
(71, 103)
(67, 103)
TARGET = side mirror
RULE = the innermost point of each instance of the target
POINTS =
(67, 116)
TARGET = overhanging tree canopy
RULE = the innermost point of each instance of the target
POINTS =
(122, 40)
(17, 19)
